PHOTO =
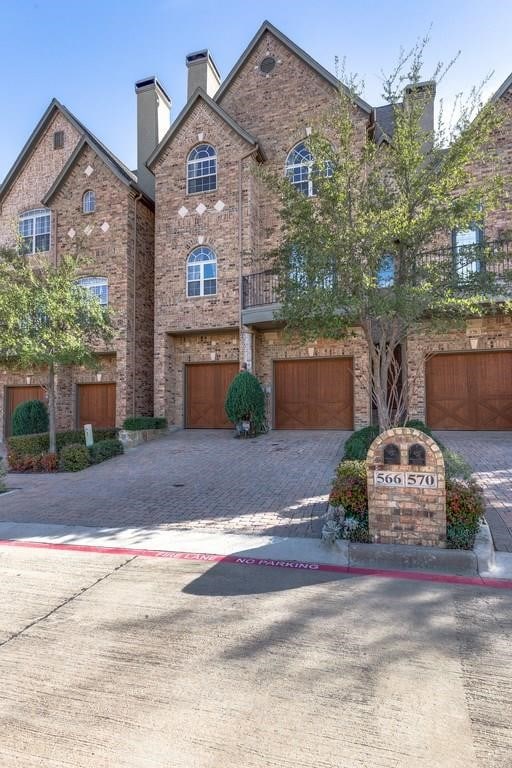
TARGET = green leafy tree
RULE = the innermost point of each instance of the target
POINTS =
(47, 319)
(245, 401)
(359, 253)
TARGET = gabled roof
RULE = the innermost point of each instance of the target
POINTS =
(55, 106)
(117, 168)
(503, 88)
(268, 27)
(199, 94)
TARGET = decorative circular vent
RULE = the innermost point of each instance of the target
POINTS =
(267, 65)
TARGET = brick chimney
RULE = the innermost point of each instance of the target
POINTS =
(426, 94)
(153, 120)
(202, 73)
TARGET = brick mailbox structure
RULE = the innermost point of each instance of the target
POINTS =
(406, 489)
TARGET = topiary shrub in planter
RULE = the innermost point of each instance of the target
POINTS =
(465, 507)
(104, 450)
(245, 402)
(30, 418)
(74, 457)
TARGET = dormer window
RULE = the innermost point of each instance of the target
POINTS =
(89, 201)
(34, 228)
(202, 169)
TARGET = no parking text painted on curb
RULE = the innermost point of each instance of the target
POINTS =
(442, 578)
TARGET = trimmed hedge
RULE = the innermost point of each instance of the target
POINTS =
(33, 445)
(105, 449)
(145, 422)
(74, 457)
(29, 418)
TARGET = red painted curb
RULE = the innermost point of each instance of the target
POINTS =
(442, 578)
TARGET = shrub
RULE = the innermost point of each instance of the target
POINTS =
(29, 418)
(105, 449)
(465, 509)
(245, 401)
(49, 462)
(74, 457)
(456, 465)
(420, 425)
(145, 422)
(359, 442)
(43, 462)
(349, 490)
(34, 445)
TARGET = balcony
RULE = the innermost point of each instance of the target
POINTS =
(260, 299)
(485, 268)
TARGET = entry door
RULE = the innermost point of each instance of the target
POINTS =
(470, 390)
(97, 405)
(313, 394)
(206, 388)
(17, 395)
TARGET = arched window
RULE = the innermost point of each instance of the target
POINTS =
(34, 227)
(89, 201)
(202, 272)
(299, 169)
(98, 286)
(202, 169)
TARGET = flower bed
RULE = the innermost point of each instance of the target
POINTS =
(29, 453)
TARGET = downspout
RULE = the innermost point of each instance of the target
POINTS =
(240, 239)
(134, 288)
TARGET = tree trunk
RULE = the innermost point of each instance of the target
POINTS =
(51, 408)
(387, 389)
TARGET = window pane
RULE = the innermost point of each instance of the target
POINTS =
(210, 270)
(194, 272)
(42, 243)
(466, 237)
(194, 288)
(210, 287)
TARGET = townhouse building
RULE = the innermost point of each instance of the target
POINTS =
(181, 247)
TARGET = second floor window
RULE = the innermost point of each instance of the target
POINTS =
(34, 229)
(299, 169)
(386, 271)
(466, 250)
(202, 169)
(202, 272)
(98, 286)
(89, 201)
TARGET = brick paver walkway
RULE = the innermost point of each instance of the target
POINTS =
(490, 455)
(276, 484)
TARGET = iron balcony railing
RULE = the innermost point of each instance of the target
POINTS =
(259, 289)
(484, 267)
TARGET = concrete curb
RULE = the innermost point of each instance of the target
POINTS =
(413, 558)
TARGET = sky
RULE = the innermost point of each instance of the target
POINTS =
(89, 54)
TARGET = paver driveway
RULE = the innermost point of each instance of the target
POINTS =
(490, 455)
(276, 484)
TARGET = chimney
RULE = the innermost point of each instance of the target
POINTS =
(202, 73)
(153, 120)
(426, 94)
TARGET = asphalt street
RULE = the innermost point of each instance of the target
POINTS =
(131, 662)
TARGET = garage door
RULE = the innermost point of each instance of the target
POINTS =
(17, 395)
(206, 387)
(469, 391)
(313, 394)
(97, 405)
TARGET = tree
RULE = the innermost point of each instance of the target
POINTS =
(360, 252)
(245, 401)
(47, 319)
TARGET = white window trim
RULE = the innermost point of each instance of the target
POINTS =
(204, 176)
(33, 215)
(201, 279)
(95, 282)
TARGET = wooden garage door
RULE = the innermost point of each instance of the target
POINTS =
(97, 405)
(313, 394)
(17, 395)
(469, 391)
(206, 387)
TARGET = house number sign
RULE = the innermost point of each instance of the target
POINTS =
(405, 479)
